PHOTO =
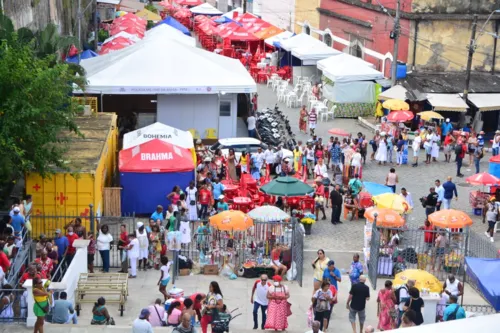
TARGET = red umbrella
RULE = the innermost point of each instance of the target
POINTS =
(130, 17)
(483, 178)
(115, 45)
(189, 2)
(338, 131)
(400, 116)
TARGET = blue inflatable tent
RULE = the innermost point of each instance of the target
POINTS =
(175, 24)
(149, 171)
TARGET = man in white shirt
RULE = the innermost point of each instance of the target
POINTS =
(251, 121)
(141, 324)
(315, 327)
(259, 290)
(403, 297)
(440, 193)
(416, 149)
(133, 254)
(260, 156)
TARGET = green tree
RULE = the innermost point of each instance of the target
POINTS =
(35, 108)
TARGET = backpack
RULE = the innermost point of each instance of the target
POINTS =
(458, 149)
(481, 153)
(453, 315)
(397, 293)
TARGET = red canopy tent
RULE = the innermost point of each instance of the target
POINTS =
(240, 34)
(256, 27)
(115, 45)
(224, 28)
(247, 18)
(190, 3)
(129, 29)
(130, 17)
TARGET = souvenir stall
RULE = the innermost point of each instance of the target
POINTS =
(478, 199)
(145, 166)
(349, 83)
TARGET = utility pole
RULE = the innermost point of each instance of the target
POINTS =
(396, 32)
(244, 6)
(472, 49)
(79, 18)
(96, 28)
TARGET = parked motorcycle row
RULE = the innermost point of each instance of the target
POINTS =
(274, 128)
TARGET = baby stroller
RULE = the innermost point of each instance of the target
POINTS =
(221, 322)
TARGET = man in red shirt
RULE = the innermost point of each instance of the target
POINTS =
(46, 264)
(429, 234)
(197, 303)
(31, 273)
(205, 199)
(4, 260)
(70, 253)
(122, 245)
(460, 156)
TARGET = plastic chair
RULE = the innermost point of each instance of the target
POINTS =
(194, 133)
(210, 133)
(323, 115)
(331, 112)
(269, 81)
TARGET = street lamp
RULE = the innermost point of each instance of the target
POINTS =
(481, 32)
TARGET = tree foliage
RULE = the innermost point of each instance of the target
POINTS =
(35, 104)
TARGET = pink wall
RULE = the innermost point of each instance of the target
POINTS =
(377, 37)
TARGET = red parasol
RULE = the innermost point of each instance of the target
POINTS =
(131, 30)
(483, 178)
(400, 116)
(166, 5)
(130, 17)
(338, 131)
(248, 18)
(189, 2)
(115, 45)
(240, 34)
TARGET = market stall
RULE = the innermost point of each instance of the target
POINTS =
(175, 24)
(142, 168)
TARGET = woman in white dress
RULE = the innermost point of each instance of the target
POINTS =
(381, 155)
(356, 162)
(142, 237)
(435, 147)
(192, 201)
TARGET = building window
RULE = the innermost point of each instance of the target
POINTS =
(306, 29)
(356, 47)
(327, 39)
(225, 109)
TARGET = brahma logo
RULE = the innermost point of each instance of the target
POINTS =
(226, 220)
(156, 156)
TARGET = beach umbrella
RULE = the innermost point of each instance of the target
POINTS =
(450, 218)
(268, 214)
(338, 131)
(395, 105)
(376, 189)
(423, 280)
(286, 187)
(428, 115)
(483, 178)
(386, 218)
(391, 201)
(400, 116)
(231, 220)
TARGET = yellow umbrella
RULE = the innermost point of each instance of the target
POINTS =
(231, 220)
(396, 105)
(422, 279)
(148, 15)
(392, 201)
(428, 115)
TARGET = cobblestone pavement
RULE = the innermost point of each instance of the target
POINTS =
(349, 235)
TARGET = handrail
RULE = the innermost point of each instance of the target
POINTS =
(21, 255)
(59, 268)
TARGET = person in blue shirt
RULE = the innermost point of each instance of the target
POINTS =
(467, 128)
(158, 214)
(221, 205)
(453, 311)
(17, 221)
(445, 128)
(218, 190)
(62, 244)
(332, 274)
(440, 193)
(450, 189)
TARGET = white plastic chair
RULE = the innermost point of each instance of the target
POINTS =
(291, 99)
(276, 83)
(281, 94)
(331, 112)
(269, 81)
(323, 116)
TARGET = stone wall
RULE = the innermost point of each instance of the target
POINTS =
(36, 14)
(454, 6)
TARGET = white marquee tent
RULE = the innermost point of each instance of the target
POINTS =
(164, 32)
(301, 40)
(165, 66)
(123, 34)
(159, 131)
(348, 69)
(340, 58)
(230, 14)
(396, 92)
(311, 55)
(205, 9)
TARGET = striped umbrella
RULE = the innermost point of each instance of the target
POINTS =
(268, 214)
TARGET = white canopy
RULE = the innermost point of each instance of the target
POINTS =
(158, 131)
(230, 14)
(301, 40)
(447, 102)
(123, 34)
(164, 31)
(485, 102)
(205, 9)
(166, 66)
(329, 64)
(278, 38)
(348, 69)
(311, 55)
(396, 92)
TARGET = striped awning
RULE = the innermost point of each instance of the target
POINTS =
(485, 102)
(447, 102)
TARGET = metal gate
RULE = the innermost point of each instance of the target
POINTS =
(298, 251)
(373, 257)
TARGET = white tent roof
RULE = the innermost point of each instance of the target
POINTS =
(158, 131)
(485, 102)
(300, 40)
(348, 69)
(340, 58)
(447, 102)
(278, 38)
(239, 10)
(396, 92)
(164, 32)
(311, 55)
(165, 66)
(123, 34)
(205, 9)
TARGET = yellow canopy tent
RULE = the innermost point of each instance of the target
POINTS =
(148, 15)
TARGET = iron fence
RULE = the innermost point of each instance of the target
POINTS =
(373, 257)
(14, 309)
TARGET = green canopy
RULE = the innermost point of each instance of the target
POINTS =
(287, 187)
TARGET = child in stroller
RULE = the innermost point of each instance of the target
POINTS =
(220, 323)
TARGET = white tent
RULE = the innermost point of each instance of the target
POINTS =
(349, 70)
(278, 38)
(301, 40)
(163, 67)
(396, 92)
(164, 32)
(159, 131)
(447, 102)
(340, 58)
(205, 9)
(230, 14)
(485, 102)
(311, 55)
(123, 34)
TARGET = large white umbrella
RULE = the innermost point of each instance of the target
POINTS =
(268, 214)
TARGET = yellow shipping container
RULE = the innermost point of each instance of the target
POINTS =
(92, 163)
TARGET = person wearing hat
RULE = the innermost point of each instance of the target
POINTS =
(278, 308)
(133, 250)
(221, 204)
(141, 324)
(17, 222)
(478, 153)
(496, 143)
(142, 237)
(446, 128)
